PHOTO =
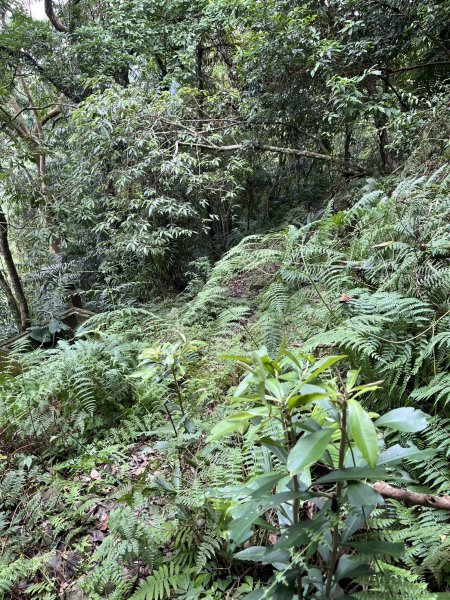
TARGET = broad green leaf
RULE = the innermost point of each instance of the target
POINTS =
(350, 566)
(359, 494)
(256, 487)
(245, 415)
(283, 592)
(301, 533)
(235, 422)
(240, 527)
(164, 484)
(281, 349)
(257, 594)
(353, 474)
(308, 450)
(276, 448)
(355, 520)
(322, 365)
(352, 376)
(407, 419)
(253, 554)
(190, 426)
(263, 524)
(301, 400)
(290, 376)
(395, 454)
(282, 497)
(307, 393)
(364, 389)
(379, 548)
(277, 557)
(309, 388)
(237, 358)
(275, 388)
(375, 385)
(293, 359)
(147, 372)
(245, 515)
(55, 326)
(223, 428)
(262, 484)
(40, 334)
(243, 385)
(363, 432)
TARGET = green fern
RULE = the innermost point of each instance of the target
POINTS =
(160, 584)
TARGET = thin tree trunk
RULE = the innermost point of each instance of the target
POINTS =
(11, 301)
(347, 143)
(16, 283)
(388, 161)
(209, 208)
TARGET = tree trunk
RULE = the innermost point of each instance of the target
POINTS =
(388, 161)
(11, 301)
(209, 209)
(16, 283)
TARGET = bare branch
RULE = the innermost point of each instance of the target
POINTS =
(51, 114)
(14, 104)
(411, 498)
(26, 90)
(46, 117)
(267, 148)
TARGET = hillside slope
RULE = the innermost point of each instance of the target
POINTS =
(122, 463)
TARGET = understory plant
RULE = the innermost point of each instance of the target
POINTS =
(305, 517)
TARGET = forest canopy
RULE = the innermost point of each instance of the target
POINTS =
(224, 299)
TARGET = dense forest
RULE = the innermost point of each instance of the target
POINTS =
(225, 299)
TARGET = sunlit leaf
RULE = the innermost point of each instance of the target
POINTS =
(363, 432)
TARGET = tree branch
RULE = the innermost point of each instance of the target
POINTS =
(15, 106)
(37, 122)
(74, 93)
(267, 148)
(51, 114)
(55, 111)
(57, 24)
(411, 498)
(419, 66)
(11, 125)
(438, 43)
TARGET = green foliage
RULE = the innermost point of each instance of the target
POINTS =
(270, 178)
(313, 412)
(372, 284)
(159, 585)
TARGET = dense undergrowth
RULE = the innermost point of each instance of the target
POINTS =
(139, 461)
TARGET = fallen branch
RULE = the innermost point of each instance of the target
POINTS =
(411, 498)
